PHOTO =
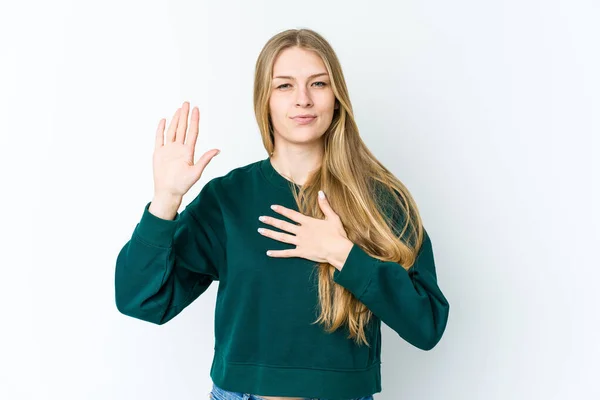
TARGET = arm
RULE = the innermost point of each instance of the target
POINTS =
(410, 302)
(167, 264)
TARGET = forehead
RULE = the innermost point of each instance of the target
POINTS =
(298, 62)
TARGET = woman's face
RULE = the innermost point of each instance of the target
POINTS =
(300, 86)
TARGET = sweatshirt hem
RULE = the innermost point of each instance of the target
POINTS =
(286, 381)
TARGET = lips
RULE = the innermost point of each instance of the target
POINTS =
(304, 120)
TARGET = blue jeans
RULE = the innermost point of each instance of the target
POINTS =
(221, 394)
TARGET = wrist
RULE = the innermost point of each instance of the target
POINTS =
(340, 253)
(165, 206)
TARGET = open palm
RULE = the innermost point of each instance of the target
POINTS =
(173, 161)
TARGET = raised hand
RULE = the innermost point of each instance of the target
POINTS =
(174, 169)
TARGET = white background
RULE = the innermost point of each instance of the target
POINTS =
(487, 111)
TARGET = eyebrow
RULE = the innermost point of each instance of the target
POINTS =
(291, 77)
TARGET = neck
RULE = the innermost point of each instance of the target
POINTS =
(296, 165)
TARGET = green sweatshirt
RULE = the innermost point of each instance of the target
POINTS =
(265, 342)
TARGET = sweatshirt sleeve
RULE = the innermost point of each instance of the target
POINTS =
(167, 264)
(410, 302)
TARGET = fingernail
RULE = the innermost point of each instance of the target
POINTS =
(321, 194)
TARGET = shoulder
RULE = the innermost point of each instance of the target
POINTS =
(235, 179)
(223, 188)
(393, 208)
(389, 201)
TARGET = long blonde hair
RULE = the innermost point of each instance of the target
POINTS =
(376, 209)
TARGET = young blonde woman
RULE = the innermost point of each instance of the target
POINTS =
(305, 279)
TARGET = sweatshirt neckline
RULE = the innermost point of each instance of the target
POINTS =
(274, 177)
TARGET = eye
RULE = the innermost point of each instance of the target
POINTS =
(323, 84)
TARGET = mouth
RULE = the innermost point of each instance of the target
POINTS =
(304, 120)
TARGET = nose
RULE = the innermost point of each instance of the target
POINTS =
(303, 98)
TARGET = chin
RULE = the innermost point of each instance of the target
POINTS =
(308, 137)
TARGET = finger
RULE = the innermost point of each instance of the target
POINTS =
(205, 159)
(291, 214)
(283, 225)
(160, 134)
(183, 122)
(279, 236)
(172, 127)
(324, 204)
(282, 253)
(192, 135)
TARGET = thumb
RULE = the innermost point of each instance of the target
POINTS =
(204, 160)
(324, 204)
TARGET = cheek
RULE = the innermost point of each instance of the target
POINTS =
(277, 108)
(327, 100)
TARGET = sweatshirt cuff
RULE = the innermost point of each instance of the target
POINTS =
(154, 230)
(356, 271)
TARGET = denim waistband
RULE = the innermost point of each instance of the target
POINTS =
(218, 393)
